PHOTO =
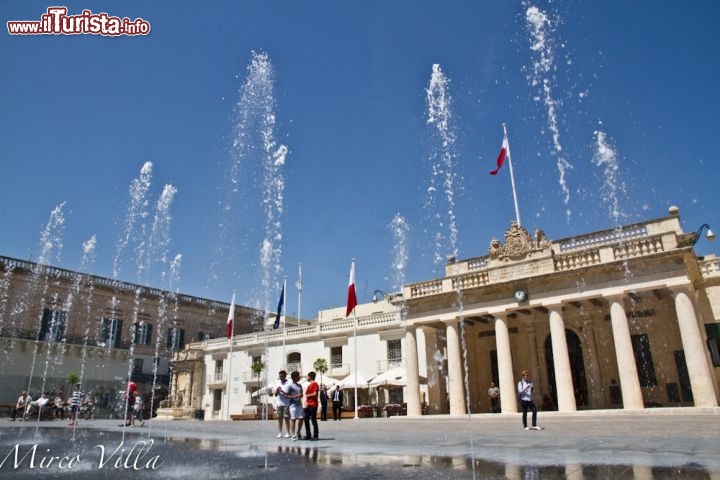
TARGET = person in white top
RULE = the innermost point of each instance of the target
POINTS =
(282, 404)
(526, 389)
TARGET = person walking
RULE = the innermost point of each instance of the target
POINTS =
(323, 403)
(494, 394)
(337, 399)
(525, 389)
(311, 398)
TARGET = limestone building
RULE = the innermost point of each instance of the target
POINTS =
(54, 322)
(622, 318)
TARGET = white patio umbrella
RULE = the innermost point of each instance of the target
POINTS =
(349, 381)
(395, 377)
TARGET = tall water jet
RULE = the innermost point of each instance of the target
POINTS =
(137, 211)
(540, 27)
(254, 183)
(440, 204)
(400, 228)
(613, 188)
(51, 242)
(443, 176)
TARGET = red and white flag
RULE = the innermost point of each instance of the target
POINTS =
(352, 298)
(504, 151)
(231, 318)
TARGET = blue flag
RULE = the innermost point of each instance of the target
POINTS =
(279, 309)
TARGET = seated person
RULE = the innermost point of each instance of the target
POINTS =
(21, 405)
(38, 407)
(59, 404)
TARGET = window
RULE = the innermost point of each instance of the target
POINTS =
(713, 342)
(202, 336)
(110, 332)
(394, 353)
(176, 338)
(53, 325)
(218, 370)
(643, 360)
(143, 333)
(294, 362)
(336, 357)
(137, 365)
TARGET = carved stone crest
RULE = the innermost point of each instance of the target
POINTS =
(518, 244)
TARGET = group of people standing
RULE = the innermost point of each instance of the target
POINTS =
(296, 408)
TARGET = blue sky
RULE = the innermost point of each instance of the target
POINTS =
(82, 114)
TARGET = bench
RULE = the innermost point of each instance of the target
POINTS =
(7, 408)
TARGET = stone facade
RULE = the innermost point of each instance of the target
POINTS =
(55, 321)
(622, 318)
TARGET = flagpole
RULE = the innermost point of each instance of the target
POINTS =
(512, 176)
(231, 313)
(299, 289)
(283, 320)
(356, 361)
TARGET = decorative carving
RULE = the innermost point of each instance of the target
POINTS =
(518, 244)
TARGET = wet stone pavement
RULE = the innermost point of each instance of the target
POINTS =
(610, 444)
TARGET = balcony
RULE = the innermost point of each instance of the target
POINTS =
(217, 380)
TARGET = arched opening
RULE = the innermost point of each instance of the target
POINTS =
(577, 368)
(294, 362)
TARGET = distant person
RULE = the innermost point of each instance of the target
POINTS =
(37, 407)
(129, 402)
(494, 394)
(282, 404)
(323, 403)
(295, 395)
(337, 399)
(525, 389)
(311, 399)
(75, 400)
(59, 404)
(21, 406)
(138, 409)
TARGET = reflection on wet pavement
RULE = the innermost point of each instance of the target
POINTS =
(56, 453)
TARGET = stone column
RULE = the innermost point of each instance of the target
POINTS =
(455, 372)
(627, 370)
(701, 380)
(561, 362)
(508, 394)
(414, 408)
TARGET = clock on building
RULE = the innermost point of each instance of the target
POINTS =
(520, 294)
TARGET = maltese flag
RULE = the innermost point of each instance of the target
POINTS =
(501, 157)
(352, 298)
(231, 317)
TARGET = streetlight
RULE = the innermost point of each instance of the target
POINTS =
(375, 297)
(696, 236)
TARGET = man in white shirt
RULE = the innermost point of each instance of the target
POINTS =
(282, 403)
(525, 392)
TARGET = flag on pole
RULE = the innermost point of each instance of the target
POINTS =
(299, 280)
(231, 317)
(276, 325)
(501, 157)
(352, 298)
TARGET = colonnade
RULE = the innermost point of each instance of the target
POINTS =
(700, 373)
